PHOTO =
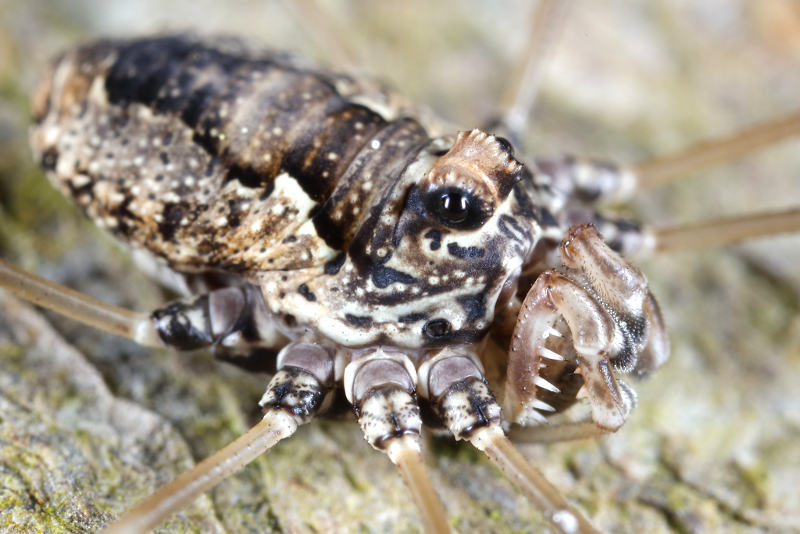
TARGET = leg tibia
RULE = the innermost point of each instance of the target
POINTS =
(724, 231)
(82, 308)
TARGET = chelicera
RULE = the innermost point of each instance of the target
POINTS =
(573, 312)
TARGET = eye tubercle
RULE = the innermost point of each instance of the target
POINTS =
(477, 162)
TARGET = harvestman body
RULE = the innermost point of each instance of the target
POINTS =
(330, 237)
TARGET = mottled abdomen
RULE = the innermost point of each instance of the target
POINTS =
(213, 156)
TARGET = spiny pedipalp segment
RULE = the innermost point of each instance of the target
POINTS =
(614, 326)
(293, 397)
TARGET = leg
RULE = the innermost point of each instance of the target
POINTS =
(546, 21)
(294, 396)
(588, 182)
(233, 318)
(118, 321)
(584, 181)
(659, 171)
(614, 326)
(454, 383)
(381, 387)
(725, 231)
(630, 238)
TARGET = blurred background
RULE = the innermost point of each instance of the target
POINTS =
(713, 444)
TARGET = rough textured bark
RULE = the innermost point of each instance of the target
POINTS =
(90, 424)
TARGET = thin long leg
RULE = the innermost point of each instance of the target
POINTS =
(405, 454)
(529, 481)
(725, 231)
(556, 433)
(579, 181)
(659, 171)
(547, 20)
(455, 384)
(119, 321)
(294, 396)
(234, 317)
(275, 426)
(381, 386)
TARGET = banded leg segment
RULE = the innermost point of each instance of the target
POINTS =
(382, 388)
(590, 181)
(294, 396)
(231, 318)
(584, 181)
(574, 184)
(454, 383)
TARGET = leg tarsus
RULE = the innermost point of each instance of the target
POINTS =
(531, 482)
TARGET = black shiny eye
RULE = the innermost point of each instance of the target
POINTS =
(457, 208)
(437, 328)
(454, 207)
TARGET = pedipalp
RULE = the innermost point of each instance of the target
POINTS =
(605, 320)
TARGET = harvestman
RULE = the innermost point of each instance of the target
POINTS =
(575, 313)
